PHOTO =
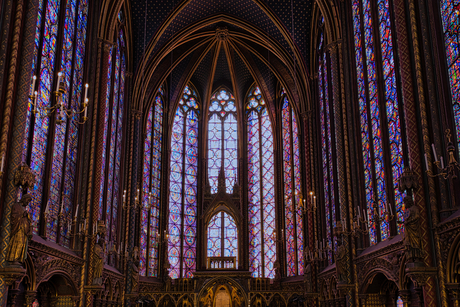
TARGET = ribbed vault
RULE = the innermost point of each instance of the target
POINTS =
(222, 50)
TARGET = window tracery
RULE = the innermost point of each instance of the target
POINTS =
(183, 187)
(45, 141)
(151, 188)
(450, 13)
(327, 144)
(222, 140)
(292, 193)
(109, 200)
(223, 236)
(378, 107)
(261, 187)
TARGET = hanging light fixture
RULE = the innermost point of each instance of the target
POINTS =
(59, 107)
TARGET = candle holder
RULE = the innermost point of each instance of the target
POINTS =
(80, 232)
(308, 209)
(59, 106)
(445, 171)
(124, 200)
(319, 252)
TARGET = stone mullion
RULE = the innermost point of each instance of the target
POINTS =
(98, 122)
(16, 98)
(412, 128)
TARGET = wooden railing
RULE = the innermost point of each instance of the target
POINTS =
(222, 263)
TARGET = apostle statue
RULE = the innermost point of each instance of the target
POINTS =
(412, 240)
(21, 231)
(98, 263)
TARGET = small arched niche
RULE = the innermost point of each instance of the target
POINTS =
(222, 298)
(222, 242)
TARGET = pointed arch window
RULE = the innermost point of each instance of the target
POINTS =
(293, 222)
(327, 143)
(261, 187)
(110, 192)
(450, 13)
(183, 187)
(223, 236)
(379, 108)
(151, 188)
(46, 142)
(222, 140)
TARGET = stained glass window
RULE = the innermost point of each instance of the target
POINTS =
(183, 187)
(377, 112)
(151, 189)
(223, 236)
(222, 140)
(327, 145)
(261, 187)
(62, 155)
(292, 193)
(450, 13)
(110, 189)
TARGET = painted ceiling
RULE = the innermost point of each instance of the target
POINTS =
(155, 23)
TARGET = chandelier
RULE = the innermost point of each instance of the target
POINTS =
(59, 107)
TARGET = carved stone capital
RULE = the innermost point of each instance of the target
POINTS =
(24, 176)
(30, 297)
(136, 113)
(419, 274)
(93, 289)
(11, 274)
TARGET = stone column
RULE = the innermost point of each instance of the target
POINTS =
(133, 184)
(19, 42)
(30, 297)
(413, 128)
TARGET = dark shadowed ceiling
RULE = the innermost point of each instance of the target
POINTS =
(177, 42)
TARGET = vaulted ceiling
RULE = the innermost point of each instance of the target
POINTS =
(220, 42)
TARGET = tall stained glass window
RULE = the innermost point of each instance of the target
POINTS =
(223, 236)
(378, 108)
(261, 187)
(110, 188)
(183, 187)
(292, 193)
(222, 140)
(151, 188)
(58, 196)
(450, 12)
(327, 145)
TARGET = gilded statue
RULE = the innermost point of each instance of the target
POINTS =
(21, 232)
(98, 264)
(412, 240)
